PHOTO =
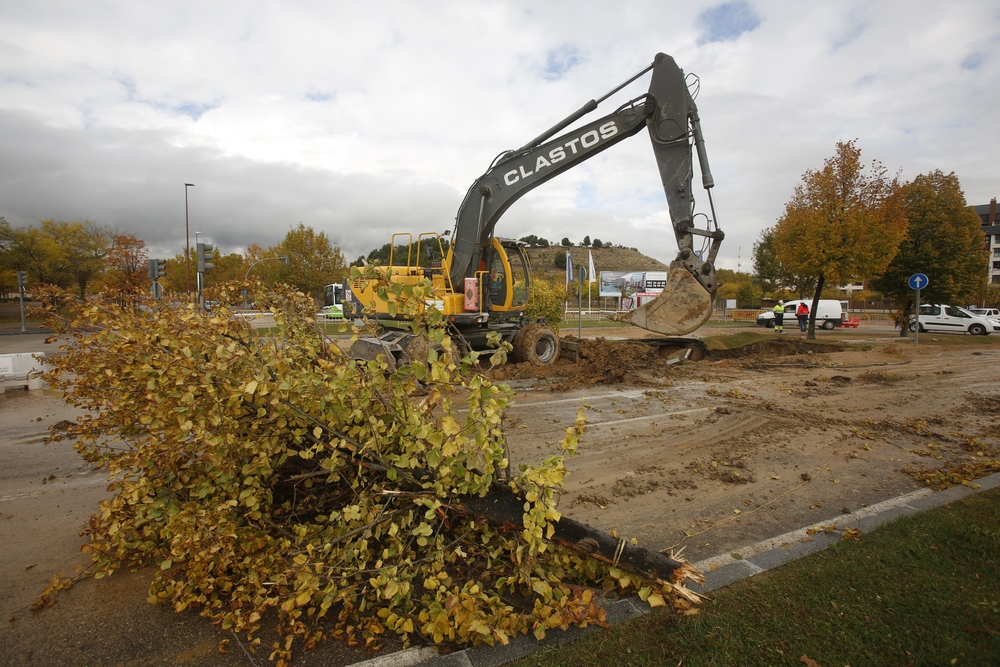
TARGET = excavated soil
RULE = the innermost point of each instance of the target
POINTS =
(750, 443)
(646, 363)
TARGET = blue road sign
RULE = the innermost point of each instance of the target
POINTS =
(917, 281)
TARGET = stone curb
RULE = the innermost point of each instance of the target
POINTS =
(728, 568)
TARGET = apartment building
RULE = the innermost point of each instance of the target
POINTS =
(988, 214)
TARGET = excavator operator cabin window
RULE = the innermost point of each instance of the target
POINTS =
(498, 281)
(518, 280)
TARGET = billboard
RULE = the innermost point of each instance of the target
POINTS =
(632, 283)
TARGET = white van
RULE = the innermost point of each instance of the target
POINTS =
(829, 313)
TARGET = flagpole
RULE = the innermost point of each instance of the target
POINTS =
(593, 278)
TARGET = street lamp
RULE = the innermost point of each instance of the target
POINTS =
(187, 236)
(283, 258)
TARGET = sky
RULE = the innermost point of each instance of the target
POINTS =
(364, 119)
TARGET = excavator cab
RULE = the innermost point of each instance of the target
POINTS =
(509, 277)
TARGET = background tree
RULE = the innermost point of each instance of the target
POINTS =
(85, 246)
(991, 295)
(127, 262)
(560, 259)
(31, 249)
(227, 268)
(175, 281)
(773, 276)
(598, 243)
(944, 241)
(533, 241)
(314, 262)
(57, 253)
(566, 242)
(586, 241)
(737, 285)
(843, 223)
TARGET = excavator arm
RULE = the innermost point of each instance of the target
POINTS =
(669, 113)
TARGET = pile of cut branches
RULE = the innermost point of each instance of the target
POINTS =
(277, 474)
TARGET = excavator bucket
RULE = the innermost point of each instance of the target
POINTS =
(682, 306)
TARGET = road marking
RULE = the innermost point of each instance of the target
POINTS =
(635, 393)
(661, 415)
(21, 495)
(407, 658)
(802, 534)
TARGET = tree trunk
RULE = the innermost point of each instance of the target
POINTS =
(505, 510)
(812, 311)
(904, 319)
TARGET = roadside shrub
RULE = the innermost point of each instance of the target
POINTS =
(547, 302)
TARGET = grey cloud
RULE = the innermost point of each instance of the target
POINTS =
(134, 180)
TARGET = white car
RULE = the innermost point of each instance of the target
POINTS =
(942, 318)
(990, 313)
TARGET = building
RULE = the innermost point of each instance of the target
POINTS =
(988, 214)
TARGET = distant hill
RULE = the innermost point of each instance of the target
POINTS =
(543, 260)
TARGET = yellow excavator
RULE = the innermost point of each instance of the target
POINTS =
(482, 283)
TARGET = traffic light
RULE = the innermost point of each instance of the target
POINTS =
(157, 268)
(22, 279)
(205, 254)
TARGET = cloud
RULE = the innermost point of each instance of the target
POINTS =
(726, 22)
(973, 61)
(134, 180)
(558, 62)
(362, 123)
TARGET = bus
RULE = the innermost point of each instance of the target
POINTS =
(333, 302)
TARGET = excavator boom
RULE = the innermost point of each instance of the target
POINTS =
(671, 117)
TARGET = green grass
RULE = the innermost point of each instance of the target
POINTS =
(924, 590)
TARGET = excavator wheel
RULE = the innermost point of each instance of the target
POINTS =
(416, 350)
(537, 344)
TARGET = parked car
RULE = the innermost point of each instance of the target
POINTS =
(943, 318)
(829, 313)
(991, 313)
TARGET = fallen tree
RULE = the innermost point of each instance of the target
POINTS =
(275, 473)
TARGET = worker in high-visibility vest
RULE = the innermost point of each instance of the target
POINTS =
(779, 316)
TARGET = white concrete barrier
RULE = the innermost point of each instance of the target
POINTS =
(21, 370)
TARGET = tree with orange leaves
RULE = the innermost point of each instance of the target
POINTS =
(844, 223)
(127, 260)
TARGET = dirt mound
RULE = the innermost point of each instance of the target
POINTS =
(648, 362)
(598, 361)
(781, 347)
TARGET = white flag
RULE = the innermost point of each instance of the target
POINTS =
(593, 276)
